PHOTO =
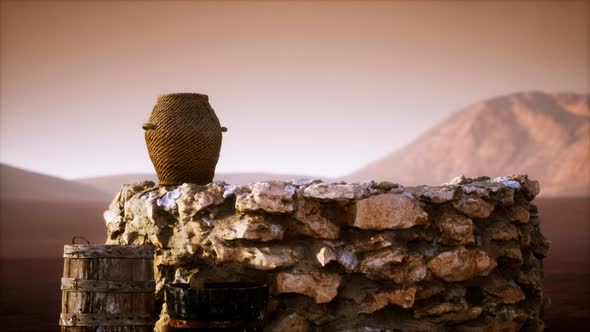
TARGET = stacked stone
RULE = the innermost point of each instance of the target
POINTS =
(373, 256)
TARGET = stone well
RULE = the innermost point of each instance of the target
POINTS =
(372, 256)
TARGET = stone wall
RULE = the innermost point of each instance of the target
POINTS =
(374, 256)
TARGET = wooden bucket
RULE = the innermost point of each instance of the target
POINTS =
(232, 306)
(107, 288)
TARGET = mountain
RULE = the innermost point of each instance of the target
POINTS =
(32, 228)
(19, 184)
(113, 183)
(41, 213)
(544, 135)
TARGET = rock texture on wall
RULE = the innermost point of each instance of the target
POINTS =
(372, 256)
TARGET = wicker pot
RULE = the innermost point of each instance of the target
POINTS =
(183, 139)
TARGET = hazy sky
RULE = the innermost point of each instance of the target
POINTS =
(318, 88)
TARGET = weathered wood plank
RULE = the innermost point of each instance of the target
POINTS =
(64, 296)
(143, 269)
(67, 319)
(79, 302)
(107, 251)
(66, 267)
(110, 288)
(73, 284)
(143, 302)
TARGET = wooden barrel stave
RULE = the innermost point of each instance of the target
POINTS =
(101, 292)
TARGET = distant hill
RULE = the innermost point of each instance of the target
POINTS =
(40, 213)
(544, 135)
(31, 228)
(19, 184)
(113, 183)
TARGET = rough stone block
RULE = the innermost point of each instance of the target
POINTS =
(372, 256)
(389, 211)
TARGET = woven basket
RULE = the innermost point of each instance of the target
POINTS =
(183, 139)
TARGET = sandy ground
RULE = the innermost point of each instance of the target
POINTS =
(33, 229)
(30, 296)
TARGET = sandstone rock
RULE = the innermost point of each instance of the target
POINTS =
(474, 207)
(250, 227)
(130, 190)
(326, 255)
(272, 196)
(454, 292)
(456, 228)
(505, 196)
(401, 297)
(162, 323)
(506, 249)
(163, 275)
(174, 257)
(507, 318)
(475, 190)
(460, 316)
(381, 321)
(530, 277)
(379, 263)
(540, 245)
(293, 322)
(483, 187)
(451, 312)
(168, 200)
(114, 218)
(322, 287)
(426, 234)
(389, 211)
(508, 182)
(525, 235)
(461, 264)
(394, 277)
(337, 191)
(531, 188)
(185, 275)
(228, 189)
(519, 214)
(318, 314)
(502, 231)
(385, 186)
(409, 271)
(136, 207)
(144, 221)
(304, 182)
(429, 290)
(183, 253)
(361, 242)
(506, 290)
(356, 289)
(438, 195)
(311, 223)
(260, 258)
(462, 180)
(347, 259)
(195, 198)
(441, 308)
(493, 325)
